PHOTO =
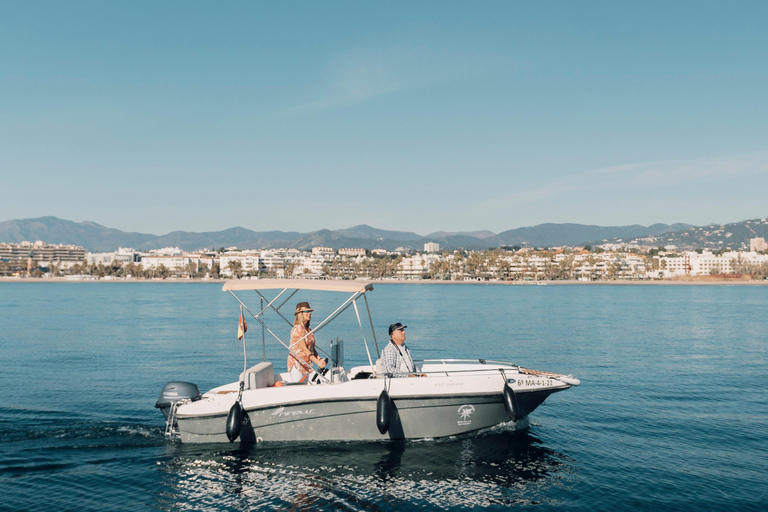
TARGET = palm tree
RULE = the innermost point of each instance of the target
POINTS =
(439, 269)
(236, 267)
(566, 267)
(191, 268)
(162, 271)
(475, 263)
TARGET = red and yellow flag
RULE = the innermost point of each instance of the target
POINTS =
(242, 327)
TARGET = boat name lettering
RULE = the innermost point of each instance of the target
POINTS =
(282, 412)
(533, 382)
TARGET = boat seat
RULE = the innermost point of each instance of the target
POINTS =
(293, 378)
(261, 375)
(379, 368)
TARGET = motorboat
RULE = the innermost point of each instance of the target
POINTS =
(448, 397)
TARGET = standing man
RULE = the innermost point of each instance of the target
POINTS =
(396, 359)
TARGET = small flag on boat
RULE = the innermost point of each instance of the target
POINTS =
(242, 327)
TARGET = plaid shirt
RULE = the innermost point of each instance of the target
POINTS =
(392, 360)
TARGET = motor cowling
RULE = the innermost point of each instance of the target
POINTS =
(173, 392)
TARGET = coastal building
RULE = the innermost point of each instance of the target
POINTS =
(154, 262)
(351, 252)
(706, 263)
(246, 262)
(321, 251)
(431, 247)
(757, 245)
(201, 260)
(416, 266)
(167, 251)
(310, 265)
(273, 260)
(412, 267)
(43, 254)
(184, 263)
(122, 255)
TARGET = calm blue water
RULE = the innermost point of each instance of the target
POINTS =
(672, 413)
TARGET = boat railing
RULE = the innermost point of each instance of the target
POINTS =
(468, 361)
(471, 366)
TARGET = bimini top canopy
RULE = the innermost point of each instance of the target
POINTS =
(298, 284)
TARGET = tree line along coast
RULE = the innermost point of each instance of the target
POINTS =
(608, 262)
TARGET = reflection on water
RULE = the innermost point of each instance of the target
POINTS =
(498, 468)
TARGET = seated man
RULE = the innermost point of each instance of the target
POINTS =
(396, 359)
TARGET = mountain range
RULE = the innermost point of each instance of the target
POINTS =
(97, 238)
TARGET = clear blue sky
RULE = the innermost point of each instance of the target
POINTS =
(418, 116)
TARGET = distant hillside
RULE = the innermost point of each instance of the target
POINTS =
(553, 235)
(96, 238)
(482, 235)
(53, 230)
(364, 232)
(239, 237)
(733, 236)
(335, 239)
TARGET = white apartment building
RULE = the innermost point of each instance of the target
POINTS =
(122, 255)
(757, 244)
(170, 262)
(44, 254)
(312, 263)
(272, 260)
(583, 267)
(182, 262)
(414, 267)
(318, 251)
(706, 263)
(431, 247)
(167, 251)
(526, 265)
(200, 259)
(351, 252)
(250, 262)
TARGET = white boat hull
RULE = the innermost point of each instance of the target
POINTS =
(454, 401)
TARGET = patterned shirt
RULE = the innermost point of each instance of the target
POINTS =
(397, 359)
(297, 334)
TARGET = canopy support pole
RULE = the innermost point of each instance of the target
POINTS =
(264, 325)
(370, 319)
(263, 337)
(354, 303)
(277, 309)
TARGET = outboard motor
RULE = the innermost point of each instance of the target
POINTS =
(175, 391)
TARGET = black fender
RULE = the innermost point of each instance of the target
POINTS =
(383, 412)
(235, 421)
(510, 403)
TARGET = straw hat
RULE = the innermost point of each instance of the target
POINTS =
(302, 307)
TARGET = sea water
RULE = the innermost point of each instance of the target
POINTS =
(672, 413)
